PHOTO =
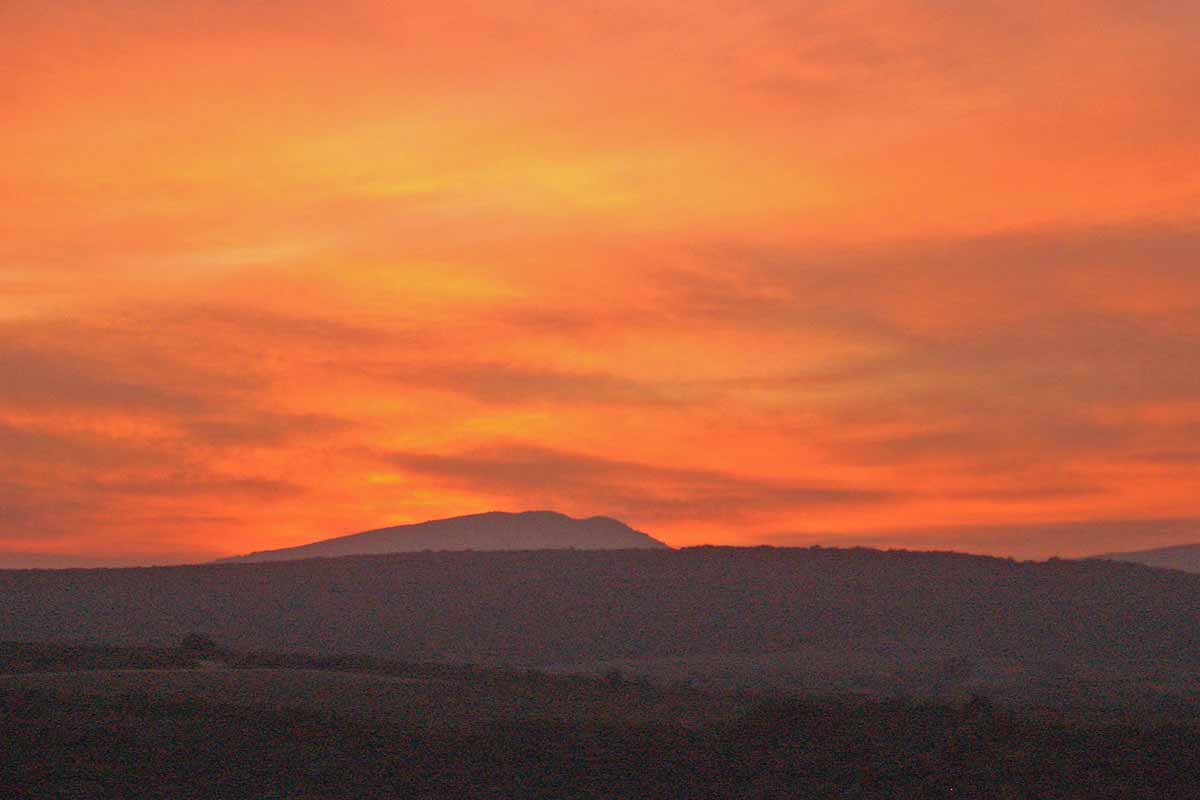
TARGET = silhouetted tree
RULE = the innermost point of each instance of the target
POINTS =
(197, 644)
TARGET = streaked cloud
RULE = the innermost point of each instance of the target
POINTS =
(514, 384)
(644, 490)
(253, 428)
(41, 378)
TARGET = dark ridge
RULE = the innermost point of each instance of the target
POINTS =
(575, 607)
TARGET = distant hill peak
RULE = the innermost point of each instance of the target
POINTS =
(1185, 557)
(491, 530)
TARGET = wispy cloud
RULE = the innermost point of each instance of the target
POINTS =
(61, 378)
(733, 267)
(644, 491)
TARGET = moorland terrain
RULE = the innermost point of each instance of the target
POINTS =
(707, 672)
(939, 626)
(172, 723)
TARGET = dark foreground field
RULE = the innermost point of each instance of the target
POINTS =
(96, 723)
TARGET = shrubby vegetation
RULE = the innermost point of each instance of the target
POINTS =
(70, 739)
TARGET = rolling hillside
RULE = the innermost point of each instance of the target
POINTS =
(857, 619)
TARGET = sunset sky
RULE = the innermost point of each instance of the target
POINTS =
(899, 273)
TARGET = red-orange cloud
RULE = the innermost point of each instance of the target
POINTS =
(723, 270)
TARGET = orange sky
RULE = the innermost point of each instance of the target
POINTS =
(900, 273)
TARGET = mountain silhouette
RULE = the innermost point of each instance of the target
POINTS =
(1185, 557)
(494, 530)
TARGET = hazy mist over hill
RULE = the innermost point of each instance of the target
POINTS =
(1184, 557)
